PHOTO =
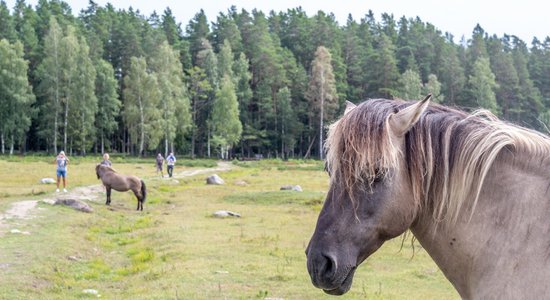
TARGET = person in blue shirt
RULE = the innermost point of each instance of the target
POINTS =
(170, 162)
(62, 161)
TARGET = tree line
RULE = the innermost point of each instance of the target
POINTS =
(244, 84)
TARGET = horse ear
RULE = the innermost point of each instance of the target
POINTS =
(403, 120)
(349, 107)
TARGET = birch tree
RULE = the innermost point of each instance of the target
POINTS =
(322, 90)
(49, 74)
(108, 102)
(16, 95)
(226, 126)
(141, 113)
(174, 103)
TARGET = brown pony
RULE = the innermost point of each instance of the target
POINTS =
(474, 191)
(122, 183)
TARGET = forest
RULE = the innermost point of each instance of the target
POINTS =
(248, 84)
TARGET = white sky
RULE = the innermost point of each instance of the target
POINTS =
(524, 18)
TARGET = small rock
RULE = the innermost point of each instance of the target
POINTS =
(17, 231)
(49, 201)
(76, 204)
(241, 183)
(47, 180)
(74, 258)
(4, 265)
(225, 214)
(222, 272)
(296, 188)
(214, 179)
(91, 291)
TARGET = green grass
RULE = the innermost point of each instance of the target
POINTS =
(174, 249)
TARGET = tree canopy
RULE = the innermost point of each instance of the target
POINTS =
(247, 83)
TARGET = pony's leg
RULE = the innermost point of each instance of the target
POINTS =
(108, 190)
(138, 196)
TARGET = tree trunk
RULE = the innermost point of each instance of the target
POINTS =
(2, 140)
(12, 144)
(309, 148)
(166, 150)
(141, 127)
(194, 130)
(321, 117)
(102, 143)
(65, 123)
(208, 142)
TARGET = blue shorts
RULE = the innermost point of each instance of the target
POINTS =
(61, 173)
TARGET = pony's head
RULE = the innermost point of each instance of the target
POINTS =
(370, 199)
(97, 167)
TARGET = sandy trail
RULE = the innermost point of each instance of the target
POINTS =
(24, 209)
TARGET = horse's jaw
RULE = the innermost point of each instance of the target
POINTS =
(344, 287)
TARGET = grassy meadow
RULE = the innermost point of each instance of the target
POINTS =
(175, 249)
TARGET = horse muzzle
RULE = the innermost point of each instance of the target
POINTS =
(327, 274)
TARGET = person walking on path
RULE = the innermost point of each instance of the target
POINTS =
(170, 162)
(61, 161)
(106, 161)
(160, 161)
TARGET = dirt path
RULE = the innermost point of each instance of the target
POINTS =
(222, 166)
(25, 209)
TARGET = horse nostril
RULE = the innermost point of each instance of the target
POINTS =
(330, 266)
(322, 268)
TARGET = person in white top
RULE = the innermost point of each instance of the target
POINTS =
(170, 162)
(62, 161)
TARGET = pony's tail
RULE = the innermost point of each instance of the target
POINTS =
(143, 191)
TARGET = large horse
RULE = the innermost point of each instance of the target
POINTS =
(474, 190)
(122, 183)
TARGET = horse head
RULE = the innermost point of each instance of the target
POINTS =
(97, 167)
(370, 197)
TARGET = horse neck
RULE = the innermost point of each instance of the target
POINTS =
(506, 235)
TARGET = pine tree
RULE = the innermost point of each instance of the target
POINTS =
(502, 66)
(225, 29)
(197, 32)
(529, 96)
(7, 28)
(322, 90)
(199, 89)
(384, 76)
(451, 73)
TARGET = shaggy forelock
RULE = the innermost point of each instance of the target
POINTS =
(359, 147)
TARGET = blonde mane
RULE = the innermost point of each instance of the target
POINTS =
(447, 152)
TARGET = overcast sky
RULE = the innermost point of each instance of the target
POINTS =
(524, 18)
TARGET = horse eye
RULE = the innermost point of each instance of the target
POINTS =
(378, 176)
